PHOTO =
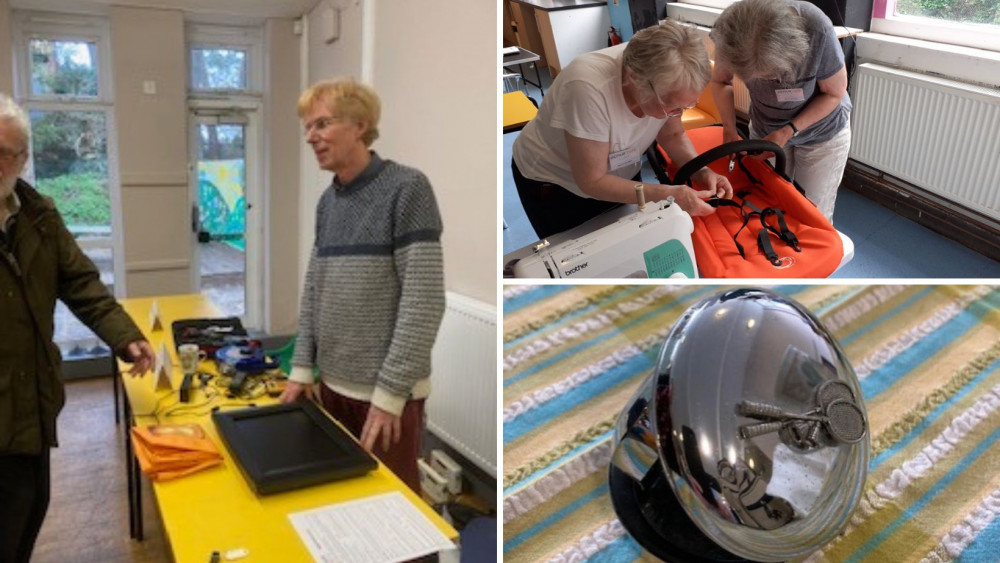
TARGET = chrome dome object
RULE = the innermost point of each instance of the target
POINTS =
(748, 441)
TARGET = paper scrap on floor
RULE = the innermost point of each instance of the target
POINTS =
(380, 529)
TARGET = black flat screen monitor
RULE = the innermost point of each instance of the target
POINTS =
(284, 447)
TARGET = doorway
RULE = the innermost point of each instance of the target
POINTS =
(225, 218)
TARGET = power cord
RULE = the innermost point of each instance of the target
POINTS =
(156, 406)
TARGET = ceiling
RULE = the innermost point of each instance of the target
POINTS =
(193, 9)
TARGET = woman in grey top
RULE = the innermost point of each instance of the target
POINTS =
(788, 55)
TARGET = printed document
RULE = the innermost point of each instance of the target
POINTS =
(380, 529)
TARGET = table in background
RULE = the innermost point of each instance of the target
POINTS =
(520, 58)
(517, 111)
(215, 509)
(562, 29)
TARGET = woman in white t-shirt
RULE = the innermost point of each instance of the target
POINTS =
(581, 155)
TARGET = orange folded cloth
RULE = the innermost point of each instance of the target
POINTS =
(168, 451)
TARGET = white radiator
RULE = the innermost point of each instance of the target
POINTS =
(462, 407)
(741, 96)
(938, 134)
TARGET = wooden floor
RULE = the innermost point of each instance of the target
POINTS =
(88, 516)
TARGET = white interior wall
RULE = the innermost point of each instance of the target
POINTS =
(439, 113)
(323, 60)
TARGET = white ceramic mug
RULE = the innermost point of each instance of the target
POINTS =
(189, 356)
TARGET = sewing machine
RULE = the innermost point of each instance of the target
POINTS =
(626, 242)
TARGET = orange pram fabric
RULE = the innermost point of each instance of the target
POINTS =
(717, 255)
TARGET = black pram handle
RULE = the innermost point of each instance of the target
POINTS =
(711, 155)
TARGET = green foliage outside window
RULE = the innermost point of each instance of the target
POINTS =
(64, 68)
(66, 142)
(69, 150)
(218, 69)
(82, 199)
(965, 11)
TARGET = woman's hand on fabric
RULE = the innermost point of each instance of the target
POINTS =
(779, 137)
(689, 199)
(709, 181)
(730, 135)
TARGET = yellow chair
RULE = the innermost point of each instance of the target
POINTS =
(704, 112)
(518, 110)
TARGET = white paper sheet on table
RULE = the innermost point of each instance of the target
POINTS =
(380, 529)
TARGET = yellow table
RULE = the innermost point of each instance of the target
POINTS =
(517, 111)
(215, 510)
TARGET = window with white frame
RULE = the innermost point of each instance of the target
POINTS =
(224, 60)
(720, 4)
(968, 23)
(62, 79)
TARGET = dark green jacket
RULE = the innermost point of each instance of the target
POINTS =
(40, 262)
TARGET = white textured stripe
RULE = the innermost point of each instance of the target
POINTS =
(549, 392)
(581, 328)
(590, 544)
(851, 312)
(918, 466)
(511, 291)
(941, 445)
(557, 480)
(904, 341)
(962, 534)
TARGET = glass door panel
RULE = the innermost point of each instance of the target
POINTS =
(222, 190)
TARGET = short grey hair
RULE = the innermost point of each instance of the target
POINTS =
(762, 39)
(668, 55)
(13, 114)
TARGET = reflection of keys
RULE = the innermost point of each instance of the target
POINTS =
(841, 418)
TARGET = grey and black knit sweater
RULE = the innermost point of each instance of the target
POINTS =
(374, 291)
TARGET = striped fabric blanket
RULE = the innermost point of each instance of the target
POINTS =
(928, 358)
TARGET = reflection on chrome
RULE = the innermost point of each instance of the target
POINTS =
(742, 443)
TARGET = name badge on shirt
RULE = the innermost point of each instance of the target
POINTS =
(624, 158)
(790, 95)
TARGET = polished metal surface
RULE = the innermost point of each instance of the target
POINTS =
(755, 417)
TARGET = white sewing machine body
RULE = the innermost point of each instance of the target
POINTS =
(654, 242)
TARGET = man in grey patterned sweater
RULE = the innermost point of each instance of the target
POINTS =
(374, 290)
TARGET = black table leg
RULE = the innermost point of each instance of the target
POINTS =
(538, 77)
(115, 376)
(132, 470)
(128, 465)
(138, 499)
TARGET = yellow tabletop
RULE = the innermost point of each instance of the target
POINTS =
(517, 111)
(215, 509)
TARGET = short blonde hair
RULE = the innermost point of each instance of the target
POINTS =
(345, 97)
(763, 39)
(13, 114)
(668, 54)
